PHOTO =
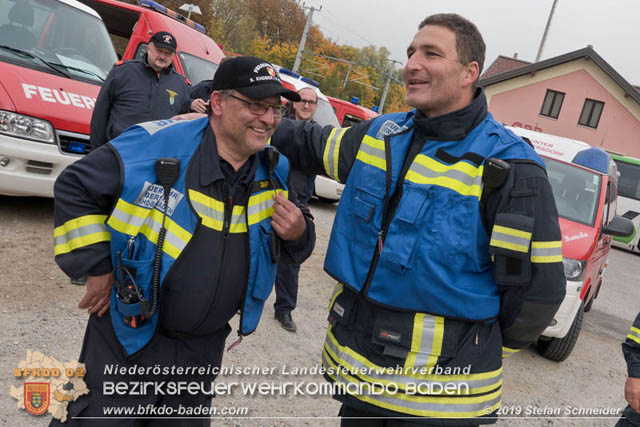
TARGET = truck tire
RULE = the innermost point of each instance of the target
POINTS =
(558, 349)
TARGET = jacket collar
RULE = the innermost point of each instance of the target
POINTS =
(452, 126)
(210, 161)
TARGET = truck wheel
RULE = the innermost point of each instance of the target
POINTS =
(558, 349)
(325, 200)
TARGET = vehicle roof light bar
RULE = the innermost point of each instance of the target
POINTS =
(288, 72)
(171, 13)
(310, 81)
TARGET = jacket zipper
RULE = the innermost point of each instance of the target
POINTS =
(390, 211)
(228, 208)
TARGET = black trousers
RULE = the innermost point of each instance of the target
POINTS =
(629, 418)
(286, 288)
(101, 349)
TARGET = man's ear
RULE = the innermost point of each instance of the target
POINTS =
(470, 74)
(215, 102)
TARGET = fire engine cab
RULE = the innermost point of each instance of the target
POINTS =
(54, 55)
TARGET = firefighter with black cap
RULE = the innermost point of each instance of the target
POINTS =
(140, 90)
(179, 225)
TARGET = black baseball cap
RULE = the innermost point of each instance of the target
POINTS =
(164, 39)
(252, 77)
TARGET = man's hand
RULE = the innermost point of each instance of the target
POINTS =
(632, 393)
(188, 116)
(199, 105)
(98, 296)
(287, 219)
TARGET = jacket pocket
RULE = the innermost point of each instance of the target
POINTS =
(140, 271)
(510, 247)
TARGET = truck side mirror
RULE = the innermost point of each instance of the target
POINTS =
(619, 227)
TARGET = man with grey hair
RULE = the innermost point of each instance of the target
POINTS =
(445, 246)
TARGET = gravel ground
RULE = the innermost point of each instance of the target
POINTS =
(38, 311)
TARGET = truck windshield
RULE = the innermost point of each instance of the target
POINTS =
(325, 115)
(575, 190)
(54, 36)
(197, 69)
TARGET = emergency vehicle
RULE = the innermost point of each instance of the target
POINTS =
(54, 55)
(349, 113)
(325, 189)
(584, 181)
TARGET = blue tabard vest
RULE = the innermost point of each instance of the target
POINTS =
(434, 257)
(137, 218)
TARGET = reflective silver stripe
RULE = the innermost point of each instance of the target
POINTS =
(169, 236)
(207, 211)
(137, 222)
(375, 373)
(331, 147)
(80, 232)
(372, 151)
(537, 252)
(419, 403)
(131, 220)
(263, 205)
(520, 241)
(428, 332)
(450, 173)
(634, 334)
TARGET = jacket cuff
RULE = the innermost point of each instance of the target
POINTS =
(103, 267)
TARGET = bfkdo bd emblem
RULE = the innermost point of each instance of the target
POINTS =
(36, 398)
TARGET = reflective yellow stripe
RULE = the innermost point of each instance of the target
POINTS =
(506, 352)
(432, 406)
(260, 206)
(370, 372)
(212, 213)
(79, 232)
(510, 238)
(546, 252)
(461, 177)
(337, 290)
(371, 152)
(426, 342)
(130, 219)
(634, 335)
(512, 232)
(331, 153)
(75, 223)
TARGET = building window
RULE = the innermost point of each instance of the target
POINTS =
(552, 103)
(591, 113)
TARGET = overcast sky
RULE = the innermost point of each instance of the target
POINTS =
(508, 26)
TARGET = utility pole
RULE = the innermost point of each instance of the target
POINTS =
(386, 86)
(546, 31)
(303, 40)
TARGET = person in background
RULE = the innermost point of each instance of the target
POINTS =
(287, 277)
(140, 90)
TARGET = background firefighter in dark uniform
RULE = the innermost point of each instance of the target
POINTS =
(446, 244)
(166, 274)
(138, 91)
(631, 350)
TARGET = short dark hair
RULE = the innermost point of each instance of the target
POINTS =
(469, 43)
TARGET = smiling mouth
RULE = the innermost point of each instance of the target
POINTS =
(258, 130)
(416, 82)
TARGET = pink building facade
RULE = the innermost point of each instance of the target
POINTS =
(577, 95)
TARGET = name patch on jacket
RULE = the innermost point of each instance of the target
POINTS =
(389, 128)
(152, 195)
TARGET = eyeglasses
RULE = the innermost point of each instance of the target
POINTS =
(259, 108)
(308, 101)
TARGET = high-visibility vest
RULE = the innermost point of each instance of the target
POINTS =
(434, 254)
(138, 215)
